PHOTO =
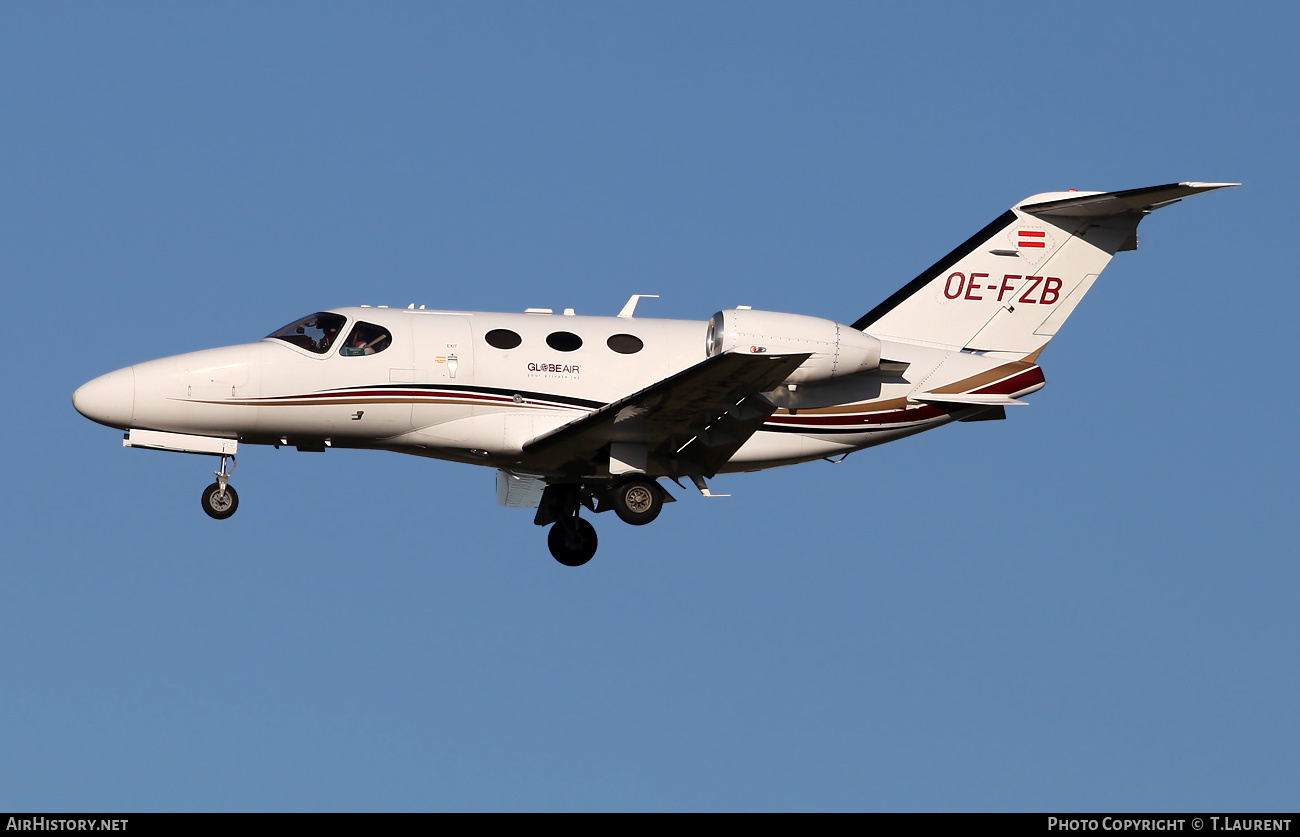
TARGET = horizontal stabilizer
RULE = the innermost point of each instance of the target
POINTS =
(991, 414)
(1103, 204)
(969, 398)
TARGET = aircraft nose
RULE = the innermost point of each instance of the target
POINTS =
(109, 399)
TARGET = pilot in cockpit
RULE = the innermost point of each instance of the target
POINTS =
(366, 339)
(327, 340)
(358, 340)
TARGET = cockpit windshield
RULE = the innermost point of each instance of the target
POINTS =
(315, 333)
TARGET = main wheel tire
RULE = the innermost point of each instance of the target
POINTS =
(638, 502)
(572, 542)
(220, 504)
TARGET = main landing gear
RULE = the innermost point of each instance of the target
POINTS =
(638, 501)
(573, 540)
(220, 499)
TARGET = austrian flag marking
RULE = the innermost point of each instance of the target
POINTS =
(1032, 238)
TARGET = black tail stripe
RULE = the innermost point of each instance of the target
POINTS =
(963, 250)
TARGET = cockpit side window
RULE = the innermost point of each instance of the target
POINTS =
(366, 339)
(315, 333)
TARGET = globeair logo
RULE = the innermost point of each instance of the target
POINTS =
(553, 367)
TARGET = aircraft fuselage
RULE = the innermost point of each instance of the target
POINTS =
(440, 390)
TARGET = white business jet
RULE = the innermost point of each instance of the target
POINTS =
(592, 412)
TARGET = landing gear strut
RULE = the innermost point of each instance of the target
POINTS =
(220, 499)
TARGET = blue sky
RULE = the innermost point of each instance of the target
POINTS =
(1090, 606)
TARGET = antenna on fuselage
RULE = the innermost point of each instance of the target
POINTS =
(630, 309)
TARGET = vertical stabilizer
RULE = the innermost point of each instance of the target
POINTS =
(1011, 286)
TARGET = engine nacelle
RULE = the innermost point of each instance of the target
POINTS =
(837, 350)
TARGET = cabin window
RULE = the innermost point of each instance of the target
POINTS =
(366, 339)
(315, 333)
(625, 344)
(502, 338)
(564, 341)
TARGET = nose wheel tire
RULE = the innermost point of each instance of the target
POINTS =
(219, 502)
(638, 502)
(572, 541)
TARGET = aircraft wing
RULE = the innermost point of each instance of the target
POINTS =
(690, 423)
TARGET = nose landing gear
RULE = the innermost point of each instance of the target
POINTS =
(220, 499)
